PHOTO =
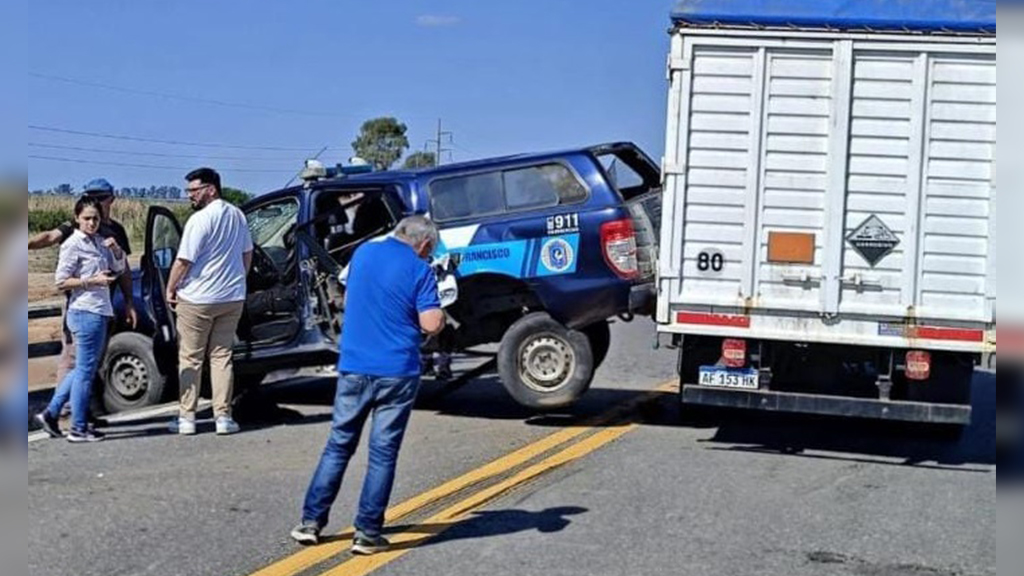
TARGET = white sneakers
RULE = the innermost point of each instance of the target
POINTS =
(186, 427)
(183, 427)
(227, 426)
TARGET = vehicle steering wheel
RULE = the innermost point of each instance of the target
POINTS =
(264, 273)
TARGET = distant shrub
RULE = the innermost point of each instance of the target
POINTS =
(48, 212)
(42, 220)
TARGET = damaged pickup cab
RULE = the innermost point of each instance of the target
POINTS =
(544, 249)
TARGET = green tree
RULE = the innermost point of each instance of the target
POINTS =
(235, 196)
(420, 160)
(381, 142)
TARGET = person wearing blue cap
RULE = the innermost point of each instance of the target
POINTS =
(103, 191)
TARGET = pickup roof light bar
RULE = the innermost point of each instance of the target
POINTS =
(315, 170)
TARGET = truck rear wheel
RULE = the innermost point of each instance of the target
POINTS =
(131, 378)
(543, 364)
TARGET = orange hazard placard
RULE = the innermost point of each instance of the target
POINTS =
(791, 247)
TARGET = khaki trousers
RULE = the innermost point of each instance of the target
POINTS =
(206, 331)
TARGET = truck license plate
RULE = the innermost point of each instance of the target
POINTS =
(726, 378)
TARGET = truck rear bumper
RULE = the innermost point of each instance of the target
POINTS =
(830, 405)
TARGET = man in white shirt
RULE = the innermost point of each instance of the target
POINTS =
(207, 287)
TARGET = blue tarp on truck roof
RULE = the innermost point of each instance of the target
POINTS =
(916, 15)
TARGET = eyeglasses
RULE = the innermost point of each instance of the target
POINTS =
(196, 189)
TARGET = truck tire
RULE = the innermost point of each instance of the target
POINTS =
(600, 336)
(543, 364)
(131, 378)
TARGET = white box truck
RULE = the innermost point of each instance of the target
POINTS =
(827, 242)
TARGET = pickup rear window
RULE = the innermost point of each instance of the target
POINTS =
(504, 191)
(625, 178)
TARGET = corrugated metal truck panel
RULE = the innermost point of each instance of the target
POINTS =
(875, 152)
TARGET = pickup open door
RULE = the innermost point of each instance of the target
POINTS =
(163, 235)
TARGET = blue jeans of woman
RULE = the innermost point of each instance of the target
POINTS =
(90, 335)
(389, 401)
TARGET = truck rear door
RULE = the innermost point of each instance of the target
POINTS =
(921, 177)
(829, 176)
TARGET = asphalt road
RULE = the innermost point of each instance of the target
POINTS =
(485, 487)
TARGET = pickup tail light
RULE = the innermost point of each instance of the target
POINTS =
(734, 353)
(919, 365)
(618, 242)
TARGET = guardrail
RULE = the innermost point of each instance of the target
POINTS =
(44, 349)
(44, 311)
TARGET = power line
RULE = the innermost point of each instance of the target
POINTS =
(183, 98)
(173, 142)
(155, 154)
(461, 148)
(149, 166)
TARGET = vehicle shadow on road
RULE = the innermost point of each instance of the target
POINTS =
(906, 444)
(909, 444)
(485, 397)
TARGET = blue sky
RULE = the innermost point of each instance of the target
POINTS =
(505, 77)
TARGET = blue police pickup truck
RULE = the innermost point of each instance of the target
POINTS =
(544, 250)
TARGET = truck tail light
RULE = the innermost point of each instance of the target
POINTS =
(618, 242)
(919, 365)
(734, 353)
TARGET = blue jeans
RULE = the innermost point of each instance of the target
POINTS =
(389, 401)
(90, 335)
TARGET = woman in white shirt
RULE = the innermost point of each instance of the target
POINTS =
(87, 267)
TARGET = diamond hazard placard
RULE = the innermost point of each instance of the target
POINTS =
(873, 240)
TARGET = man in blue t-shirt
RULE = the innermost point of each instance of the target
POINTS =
(391, 301)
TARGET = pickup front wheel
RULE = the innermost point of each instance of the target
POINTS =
(543, 364)
(131, 376)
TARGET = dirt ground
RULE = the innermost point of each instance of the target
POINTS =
(42, 372)
(41, 289)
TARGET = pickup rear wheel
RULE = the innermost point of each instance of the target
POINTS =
(543, 364)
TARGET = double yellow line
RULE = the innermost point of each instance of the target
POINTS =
(608, 427)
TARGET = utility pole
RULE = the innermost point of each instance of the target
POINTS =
(438, 150)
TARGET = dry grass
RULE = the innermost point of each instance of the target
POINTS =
(130, 212)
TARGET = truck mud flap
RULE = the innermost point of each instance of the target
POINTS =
(829, 405)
